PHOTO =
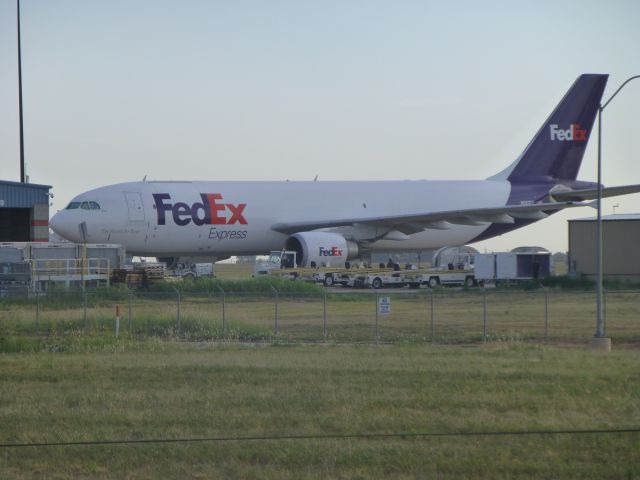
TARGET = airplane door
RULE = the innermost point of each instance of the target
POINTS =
(135, 206)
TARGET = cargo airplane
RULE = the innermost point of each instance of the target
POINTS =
(334, 221)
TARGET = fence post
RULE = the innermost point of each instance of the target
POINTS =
(84, 307)
(223, 309)
(484, 314)
(117, 320)
(546, 316)
(433, 319)
(324, 315)
(37, 312)
(604, 310)
(178, 310)
(275, 291)
(377, 297)
(130, 295)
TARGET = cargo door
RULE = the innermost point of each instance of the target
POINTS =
(135, 206)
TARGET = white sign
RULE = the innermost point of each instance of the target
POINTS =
(384, 305)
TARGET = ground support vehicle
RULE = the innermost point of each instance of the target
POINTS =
(417, 277)
(383, 279)
(317, 275)
(278, 259)
(192, 270)
(433, 278)
(355, 277)
(379, 277)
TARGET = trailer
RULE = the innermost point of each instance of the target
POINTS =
(493, 268)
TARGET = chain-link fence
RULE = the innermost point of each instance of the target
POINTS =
(443, 316)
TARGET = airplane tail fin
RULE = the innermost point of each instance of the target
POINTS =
(557, 149)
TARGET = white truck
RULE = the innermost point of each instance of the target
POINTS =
(186, 270)
(277, 260)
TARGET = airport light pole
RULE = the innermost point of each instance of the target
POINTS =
(22, 173)
(599, 321)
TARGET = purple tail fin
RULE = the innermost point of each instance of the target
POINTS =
(557, 149)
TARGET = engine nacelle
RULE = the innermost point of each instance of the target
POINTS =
(322, 248)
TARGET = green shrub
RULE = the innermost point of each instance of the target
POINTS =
(265, 284)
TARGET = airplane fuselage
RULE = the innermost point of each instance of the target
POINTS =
(235, 218)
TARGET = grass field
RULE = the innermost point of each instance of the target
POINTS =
(128, 389)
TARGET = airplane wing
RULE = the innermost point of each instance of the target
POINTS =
(591, 193)
(413, 223)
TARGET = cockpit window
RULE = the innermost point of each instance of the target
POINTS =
(84, 205)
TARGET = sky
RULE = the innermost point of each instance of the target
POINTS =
(343, 89)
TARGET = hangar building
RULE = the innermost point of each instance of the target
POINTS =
(24, 212)
(620, 246)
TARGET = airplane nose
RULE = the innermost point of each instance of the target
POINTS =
(60, 226)
(54, 223)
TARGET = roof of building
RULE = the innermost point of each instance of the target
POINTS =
(24, 185)
(22, 195)
(530, 249)
(618, 216)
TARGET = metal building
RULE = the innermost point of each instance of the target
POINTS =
(620, 246)
(24, 212)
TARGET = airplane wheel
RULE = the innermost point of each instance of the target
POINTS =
(434, 282)
(328, 281)
(377, 283)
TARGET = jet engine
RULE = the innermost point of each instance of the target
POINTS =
(321, 248)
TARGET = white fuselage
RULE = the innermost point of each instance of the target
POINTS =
(241, 214)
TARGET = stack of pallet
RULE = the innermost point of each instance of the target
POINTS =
(152, 272)
(119, 275)
(139, 274)
(135, 279)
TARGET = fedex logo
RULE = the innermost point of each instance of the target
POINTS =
(208, 212)
(573, 133)
(332, 252)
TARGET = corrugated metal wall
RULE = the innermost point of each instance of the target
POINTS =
(23, 195)
(620, 241)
